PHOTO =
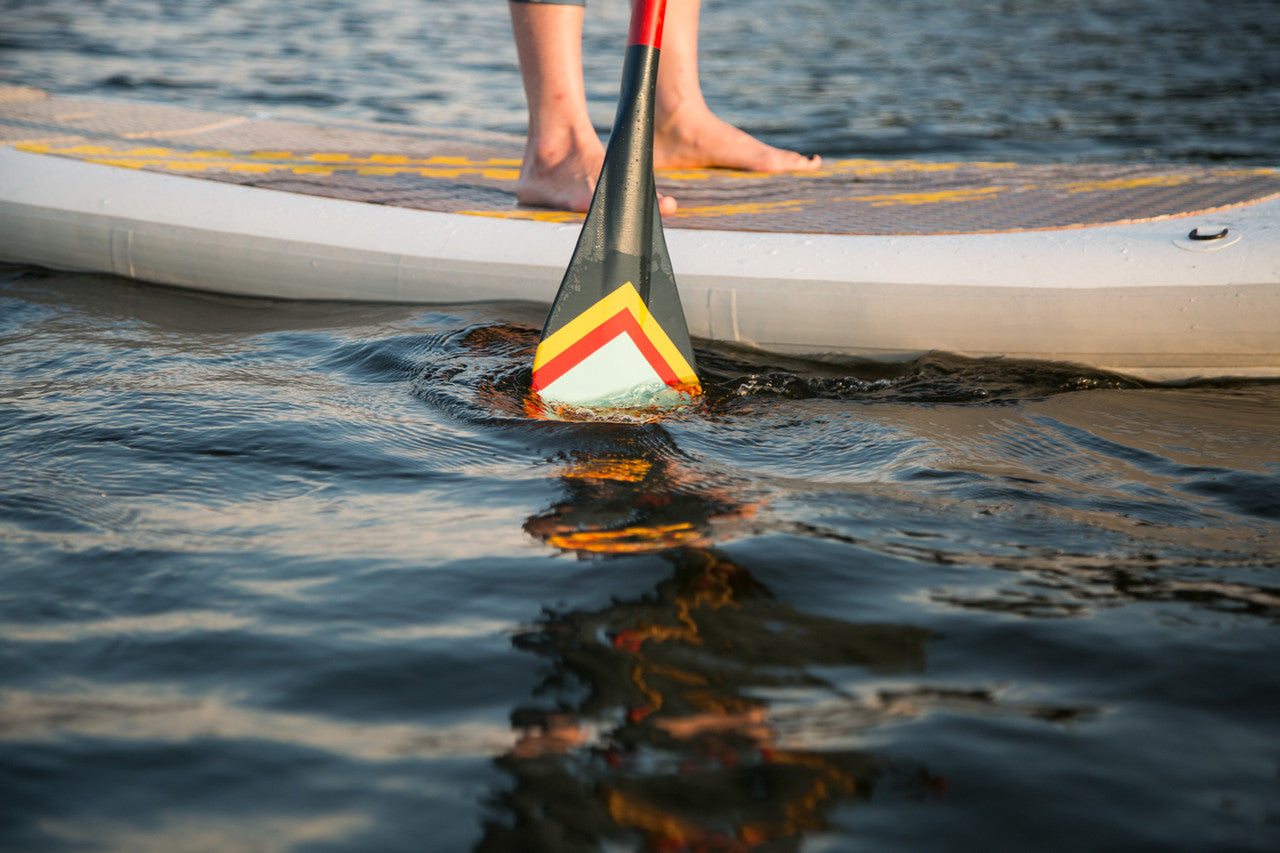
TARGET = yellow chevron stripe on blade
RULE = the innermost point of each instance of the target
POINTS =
(624, 298)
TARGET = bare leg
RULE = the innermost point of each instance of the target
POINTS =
(686, 133)
(563, 154)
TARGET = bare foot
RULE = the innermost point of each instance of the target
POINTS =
(563, 174)
(560, 172)
(693, 137)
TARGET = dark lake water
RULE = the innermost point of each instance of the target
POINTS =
(304, 577)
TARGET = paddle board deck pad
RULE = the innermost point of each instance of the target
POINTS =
(1162, 272)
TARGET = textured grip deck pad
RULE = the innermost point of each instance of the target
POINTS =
(474, 172)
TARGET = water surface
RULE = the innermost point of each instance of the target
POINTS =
(290, 576)
(1008, 79)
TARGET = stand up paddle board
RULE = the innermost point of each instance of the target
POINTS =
(1162, 272)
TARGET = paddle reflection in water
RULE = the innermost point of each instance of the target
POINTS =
(656, 715)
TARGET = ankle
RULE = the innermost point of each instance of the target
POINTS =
(563, 143)
(676, 113)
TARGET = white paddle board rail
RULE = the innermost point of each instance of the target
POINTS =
(1173, 298)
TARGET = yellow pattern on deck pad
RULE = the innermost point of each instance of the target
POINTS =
(461, 171)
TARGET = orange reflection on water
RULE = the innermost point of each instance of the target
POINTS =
(673, 744)
(621, 470)
(628, 540)
(634, 503)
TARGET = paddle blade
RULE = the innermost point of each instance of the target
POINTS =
(615, 353)
(616, 335)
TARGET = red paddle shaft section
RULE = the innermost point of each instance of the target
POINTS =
(646, 22)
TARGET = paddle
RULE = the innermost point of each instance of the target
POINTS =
(616, 333)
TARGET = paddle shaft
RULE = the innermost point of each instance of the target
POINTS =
(627, 173)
